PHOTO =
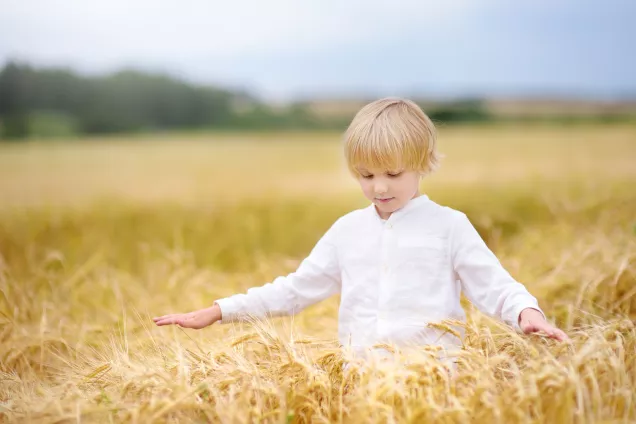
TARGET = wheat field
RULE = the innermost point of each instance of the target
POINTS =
(99, 235)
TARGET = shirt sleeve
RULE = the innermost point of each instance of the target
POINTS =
(483, 279)
(317, 278)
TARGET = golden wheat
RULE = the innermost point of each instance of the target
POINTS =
(97, 237)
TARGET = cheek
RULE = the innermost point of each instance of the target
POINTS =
(366, 187)
(407, 188)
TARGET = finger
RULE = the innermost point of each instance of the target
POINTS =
(190, 322)
(543, 326)
(186, 323)
(163, 317)
(169, 320)
(530, 327)
(553, 332)
(538, 327)
(561, 336)
(182, 321)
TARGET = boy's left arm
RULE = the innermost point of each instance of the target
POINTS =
(490, 287)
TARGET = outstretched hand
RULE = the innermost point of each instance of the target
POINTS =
(196, 319)
(532, 321)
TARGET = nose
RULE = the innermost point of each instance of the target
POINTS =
(380, 187)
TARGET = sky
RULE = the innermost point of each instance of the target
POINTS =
(286, 49)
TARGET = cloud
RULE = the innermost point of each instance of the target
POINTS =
(283, 47)
(154, 30)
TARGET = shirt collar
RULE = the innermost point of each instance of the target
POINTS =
(411, 205)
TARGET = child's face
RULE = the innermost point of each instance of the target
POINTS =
(396, 185)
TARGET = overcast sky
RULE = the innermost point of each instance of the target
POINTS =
(282, 49)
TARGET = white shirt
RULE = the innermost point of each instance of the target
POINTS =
(394, 277)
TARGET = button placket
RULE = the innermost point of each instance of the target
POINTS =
(385, 270)
(387, 237)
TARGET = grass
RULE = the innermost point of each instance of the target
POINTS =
(98, 236)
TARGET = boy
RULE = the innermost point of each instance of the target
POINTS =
(399, 263)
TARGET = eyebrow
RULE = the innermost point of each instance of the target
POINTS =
(392, 171)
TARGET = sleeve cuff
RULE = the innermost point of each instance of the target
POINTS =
(228, 310)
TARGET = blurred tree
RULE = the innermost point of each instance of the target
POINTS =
(470, 110)
(57, 102)
(126, 101)
(14, 100)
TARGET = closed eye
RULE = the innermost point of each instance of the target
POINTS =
(389, 174)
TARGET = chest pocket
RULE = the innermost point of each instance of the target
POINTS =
(424, 256)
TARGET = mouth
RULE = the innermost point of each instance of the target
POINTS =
(386, 200)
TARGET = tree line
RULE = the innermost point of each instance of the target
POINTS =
(41, 102)
(58, 102)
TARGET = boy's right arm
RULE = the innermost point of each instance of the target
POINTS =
(317, 278)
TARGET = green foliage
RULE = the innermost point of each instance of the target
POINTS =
(54, 102)
(127, 101)
(461, 111)
(14, 126)
(52, 124)
(57, 102)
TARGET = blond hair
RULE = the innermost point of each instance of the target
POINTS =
(391, 134)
